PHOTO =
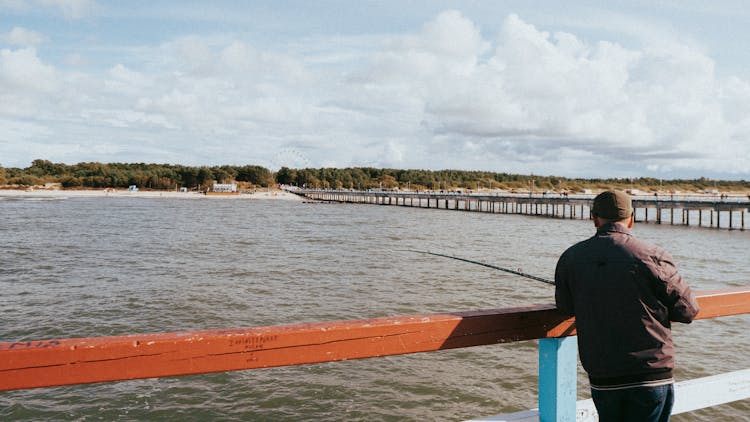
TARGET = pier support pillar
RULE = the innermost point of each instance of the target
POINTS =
(557, 379)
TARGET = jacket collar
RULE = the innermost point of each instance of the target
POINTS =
(613, 228)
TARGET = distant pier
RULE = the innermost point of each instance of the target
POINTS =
(700, 211)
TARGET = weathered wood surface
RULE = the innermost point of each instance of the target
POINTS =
(45, 363)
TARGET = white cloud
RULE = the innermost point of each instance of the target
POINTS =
(74, 9)
(190, 54)
(450, 36)
(71, 9)
(541, 92)
(26, 83)
(125, 81)
(393, 154)
(22, 36)
(527, 100)
(21, 71)
(18, 133)
(448, 46)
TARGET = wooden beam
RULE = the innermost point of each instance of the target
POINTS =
(30, 364)
(45, 363)
(723, 302)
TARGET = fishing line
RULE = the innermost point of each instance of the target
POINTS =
(507, 270)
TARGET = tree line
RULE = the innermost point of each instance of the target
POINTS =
(362, 178)
(122, 175)
(172, 177)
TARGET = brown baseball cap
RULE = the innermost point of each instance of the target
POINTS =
(613, 205)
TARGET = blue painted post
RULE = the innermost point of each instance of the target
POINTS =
(557, 379)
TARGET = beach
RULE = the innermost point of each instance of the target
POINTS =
(124, 193)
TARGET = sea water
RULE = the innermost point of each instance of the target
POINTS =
(84, 267)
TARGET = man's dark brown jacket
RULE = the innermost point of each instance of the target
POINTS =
(623, 293)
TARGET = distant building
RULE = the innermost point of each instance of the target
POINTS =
(224, 187)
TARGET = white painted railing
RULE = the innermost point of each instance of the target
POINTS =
(695, 394)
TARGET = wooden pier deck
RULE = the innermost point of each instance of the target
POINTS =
(700, 211)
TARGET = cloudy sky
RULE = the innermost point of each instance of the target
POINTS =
(578, 89)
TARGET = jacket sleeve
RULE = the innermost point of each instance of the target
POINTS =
(563, 296)
(675, 292)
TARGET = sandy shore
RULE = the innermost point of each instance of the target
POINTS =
(122, 193)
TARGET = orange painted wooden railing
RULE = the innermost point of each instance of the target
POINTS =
(46, 363)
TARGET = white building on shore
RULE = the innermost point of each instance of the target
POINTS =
(224, 187)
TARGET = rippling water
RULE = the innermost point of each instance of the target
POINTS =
(84, 267)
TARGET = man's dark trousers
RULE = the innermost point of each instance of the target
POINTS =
(649, 404)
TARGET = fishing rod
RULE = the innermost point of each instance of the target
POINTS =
(507, 270)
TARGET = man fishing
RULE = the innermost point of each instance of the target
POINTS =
(624, 294)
